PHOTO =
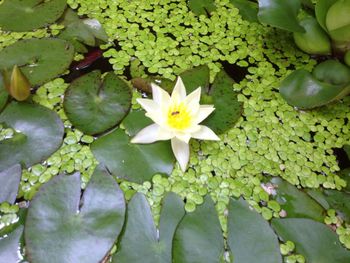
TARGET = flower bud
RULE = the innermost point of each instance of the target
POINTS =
(17, 85)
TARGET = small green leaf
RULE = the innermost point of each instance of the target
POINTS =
(321, 10)
(94, 105)
(198, 237)
(202, 7)
(250, 236)
(63, 227)
(149, 246)
(9, 246)
(9, 182)
(133, 162)
(281, 14)
(19, 15)
(247, 9)
(315, 241)
(35, 127)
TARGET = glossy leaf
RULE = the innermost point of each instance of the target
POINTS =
(339, 201)
(133, 162)
(250, 236)
(40, 60)
(198, 237)
(330, 81)
(135, 121)
(247, 9)
(9, 183)
(315, 241)
(63, 227)
(195, 78)
(295, 202)
(94, 105)
(9, 246)
(321, 10)
(149, 246)
(281, 14)
(338, 21)
(39, 133)
(19, 15)
(202, 7)
(227, 107)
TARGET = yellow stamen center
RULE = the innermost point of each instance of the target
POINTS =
(179, 117)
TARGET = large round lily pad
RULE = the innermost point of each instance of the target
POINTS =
(63, 227)
(39, 133)
(133, 162)
(40, 60)
(26, 15)
(94, 105)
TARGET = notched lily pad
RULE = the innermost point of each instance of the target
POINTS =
(9, 182)
(149, 246)
(26, 15)
(329, 81)
(64, 227)
(39, 133)
(94, 105)
(40, 60)
(133, 162)
(202, 7)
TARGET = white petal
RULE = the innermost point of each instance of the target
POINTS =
(192, 100)
(160, 96)
(151, 134)
(205, 134)
(148, 105)
(181, 151)
(179, 91)
(203, 112)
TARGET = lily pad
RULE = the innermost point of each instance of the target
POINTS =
(339, 201)
(198, 237)
(80, 229)
(149, 246)
(247, 9)
(295, 202)
(26, 15)
(227, 107)
(3, 94)
(281, 14)
(39, 133)
(195, 78)
(94, 105)
(250, 236)
(40, 60)
(135, 121)
(9, 246)
(133, 162)
(9, 182)
(329, 81)
(315, 241)
(202, 7)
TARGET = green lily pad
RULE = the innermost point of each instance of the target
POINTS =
(144, 84)
(248, 10)
(3, 94)
(135, 121)
(345, 175)
(198, 237)
(202, 7)
(94, 105)
(250, 236)
(315, 241)
(321, 10)
(339, 201)
(9, 246)
(40, 60)
(281, 14)
(227, 107)
(133, 162)
(63, 227)
(39, 134)
(295, 202)
(26, 15)
(9, 182)
(149, 246)
(329, 81)
(195, 78)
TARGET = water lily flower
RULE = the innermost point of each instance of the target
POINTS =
(176, 118)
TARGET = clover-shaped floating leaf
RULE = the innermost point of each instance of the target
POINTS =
(329, 81)
(321, 10)
(133, 162)
(281, 14)
(63, 227)
(39, 133)
(9, 246)
(26, 15)
(295, 202)
(198, 237)
(247, 9)
(94, 105)
(9, 182)
(202, 7)
(314, 240)
(140, 241)
(40, 60)
(250, 236)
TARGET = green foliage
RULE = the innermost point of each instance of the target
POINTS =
(247, 9)
(9, 246)
(9, 182)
